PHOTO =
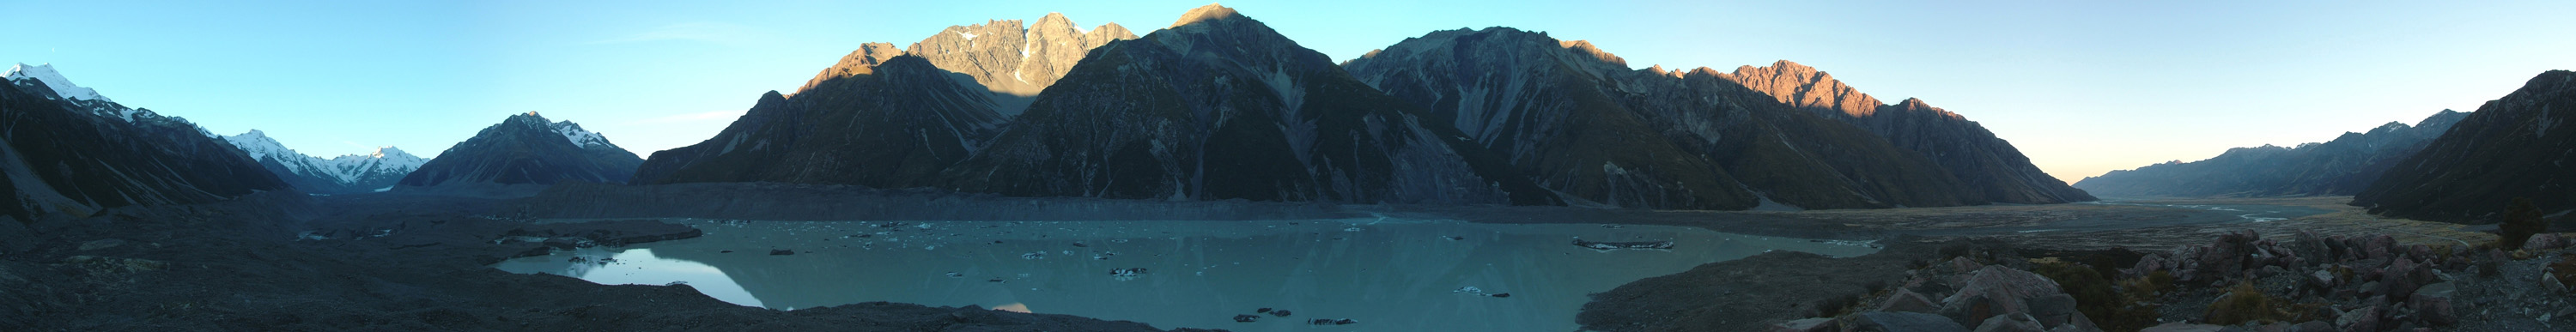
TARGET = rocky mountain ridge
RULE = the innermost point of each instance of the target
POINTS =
(1584, 124)
(1993, 167)
(344, 174)
(74, 155)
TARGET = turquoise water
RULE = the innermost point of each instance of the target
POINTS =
(1389, 275)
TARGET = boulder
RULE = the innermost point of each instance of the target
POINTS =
(1805, 325)
(2401, 277)
(2379, 247)
(2550, 282)
(1962, 264)
(2322, 279)
(2544, 241)
(2433, 305)
(2184, 327)
(1995, 290)
(1882, 321)
(2010, 323)
(1909, 301)
(2359, 319)
(2313, 326)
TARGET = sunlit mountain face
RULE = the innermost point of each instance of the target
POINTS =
(1226, 172)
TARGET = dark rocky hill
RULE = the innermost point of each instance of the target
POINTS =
(524, 151)
(2516, 146)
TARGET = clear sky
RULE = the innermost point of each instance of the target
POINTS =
(2082, 87)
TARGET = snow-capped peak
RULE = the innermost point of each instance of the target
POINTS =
(258, 145)
(53, 80)
(582, 138)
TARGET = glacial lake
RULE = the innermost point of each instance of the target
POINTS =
(1384, 274)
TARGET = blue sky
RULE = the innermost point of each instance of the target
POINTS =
(2082, 87)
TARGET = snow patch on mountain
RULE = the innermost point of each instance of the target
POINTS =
(54, 80)
(582, 138)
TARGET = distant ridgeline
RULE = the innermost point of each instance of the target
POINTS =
(2342, 166)
(524, 153)
(1219, 106)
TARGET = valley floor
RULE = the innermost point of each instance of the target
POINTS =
(393, 261)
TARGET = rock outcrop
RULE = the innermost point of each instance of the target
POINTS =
(2343, 166)
(1992, 167)
(527, 153)
(2516, 146)
(69, 152)
(1013, 60)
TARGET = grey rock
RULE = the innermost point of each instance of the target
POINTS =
(1804, 325)
(2184, 327)
(2010, 323)
(1996, 290)
(101, 244)
(2433, 304)
(1879, 321)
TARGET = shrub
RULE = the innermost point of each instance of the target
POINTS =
(2243, 304)
(2098, 299)
(2521, 220)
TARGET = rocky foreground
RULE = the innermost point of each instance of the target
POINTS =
(2238, 282)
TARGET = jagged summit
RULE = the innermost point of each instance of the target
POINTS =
(1211, 12)
(53, 80)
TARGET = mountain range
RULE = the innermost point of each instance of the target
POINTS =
(71, 152)
(522, 154)
(354, 173)
(2342, 166)
(2512, 147)
(1583, 124)
(890, 118)
(1499, 116)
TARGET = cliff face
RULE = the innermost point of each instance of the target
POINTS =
(1996, 170)
(2343, 166)
(2516, 146)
